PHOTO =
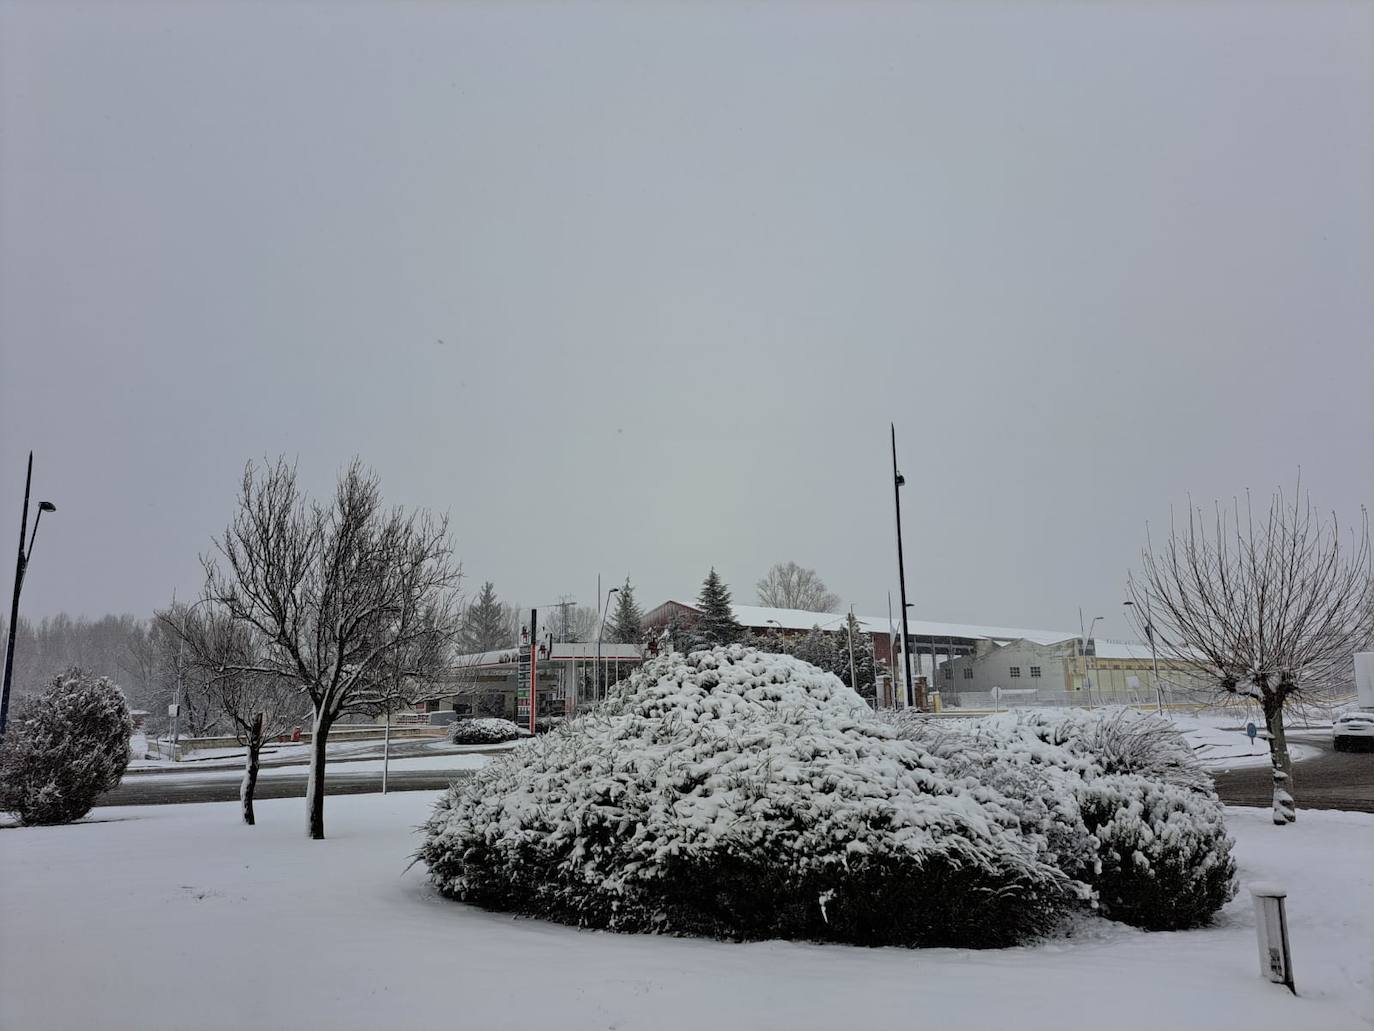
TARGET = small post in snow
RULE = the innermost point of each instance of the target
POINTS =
(386, 746)
(1271, 928)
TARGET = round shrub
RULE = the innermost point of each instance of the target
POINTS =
(63, 749)
(1111, 797)
(739, 794)
(1164, 853)
(482, 731)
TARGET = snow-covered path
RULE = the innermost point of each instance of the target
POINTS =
(179, 917)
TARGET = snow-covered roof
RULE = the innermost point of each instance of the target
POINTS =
(800, 619)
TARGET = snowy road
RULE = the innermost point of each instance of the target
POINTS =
(1330, 780)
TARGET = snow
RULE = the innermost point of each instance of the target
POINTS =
(181, 917)
(1228, 749)
(762, 618)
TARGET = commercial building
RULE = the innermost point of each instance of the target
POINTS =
(487, 684)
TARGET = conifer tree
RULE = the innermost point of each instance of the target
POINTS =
(626, 624)
(717, 624)
(487, 623)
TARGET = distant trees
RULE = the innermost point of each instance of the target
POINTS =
(487, 623)
(626, 625)
(1272, 607)
(789, 586)
(338, 597)
(64, 748)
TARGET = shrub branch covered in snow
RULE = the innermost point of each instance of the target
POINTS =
(740, 794)
(64, 748)
(482, 731)
(1114, 798)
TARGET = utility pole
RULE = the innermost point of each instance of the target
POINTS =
(897, 482)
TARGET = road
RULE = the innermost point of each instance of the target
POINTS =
(221, 783)
(1331, 780)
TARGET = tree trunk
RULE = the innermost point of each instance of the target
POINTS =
(314, 787)
(250, 770)
(1282, 763)
(386, 749)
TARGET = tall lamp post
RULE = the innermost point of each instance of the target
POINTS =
(21, 566)
(1087, 636)
(898, 481)
(1154, 657)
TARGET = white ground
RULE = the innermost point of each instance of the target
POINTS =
(180, 917)
(1219, 746)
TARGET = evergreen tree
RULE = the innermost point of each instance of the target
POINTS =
(717, 624)
(486, 624)
(626, 623)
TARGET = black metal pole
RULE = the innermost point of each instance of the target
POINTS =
(14, 606)
(901, 571)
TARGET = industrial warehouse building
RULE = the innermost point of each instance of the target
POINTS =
(1026, 672)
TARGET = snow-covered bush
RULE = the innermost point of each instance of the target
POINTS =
(1091, 787)
(1164, 852)
(482, 731)
(63, 749)
(544, 724)
(741, 794)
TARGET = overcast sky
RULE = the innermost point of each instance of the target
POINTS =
(636, 289)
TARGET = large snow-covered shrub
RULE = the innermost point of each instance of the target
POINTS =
(740, 794)
(1090, 788)
(482, 730)
(1164, 852)
(63, 749)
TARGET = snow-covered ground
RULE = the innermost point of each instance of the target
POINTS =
(1220, 746)
(181, 917)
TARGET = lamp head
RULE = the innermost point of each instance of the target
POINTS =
(46, 506)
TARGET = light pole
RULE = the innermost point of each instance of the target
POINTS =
(20, 567)
(1086, 636)
(898, 481)
(601, 626)
(1154, 657)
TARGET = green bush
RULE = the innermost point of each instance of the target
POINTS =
(63, 749)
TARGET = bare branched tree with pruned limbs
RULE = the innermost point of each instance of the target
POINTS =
(251, 707)
(1269, 608)
(353, 603)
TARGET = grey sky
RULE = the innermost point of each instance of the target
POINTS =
(636, 289)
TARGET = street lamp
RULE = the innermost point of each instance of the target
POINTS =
(21, 566)
(600, 628)
(1086, 637)
(898, 482)
(1154, 657)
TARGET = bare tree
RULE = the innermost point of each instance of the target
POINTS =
(789, 586)
(253, 707)
(344, 598)
(1271, 610)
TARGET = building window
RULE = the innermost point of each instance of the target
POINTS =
(968, 672)
(1015, 672)
(949, 673)
(1035, 671)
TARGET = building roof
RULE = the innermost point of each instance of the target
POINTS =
(563, 651)
(761, 618)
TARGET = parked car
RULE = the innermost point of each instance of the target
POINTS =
(1353, 730)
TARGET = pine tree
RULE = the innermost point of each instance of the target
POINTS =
(626, 624)
(717, 624)
(486, 624)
